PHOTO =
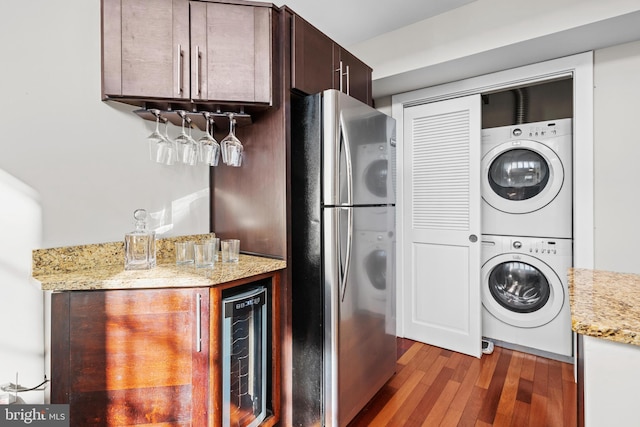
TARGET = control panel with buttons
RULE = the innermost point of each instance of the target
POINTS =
(535, 246)
(547, 130)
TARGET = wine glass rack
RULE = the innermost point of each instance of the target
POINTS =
(195, 118)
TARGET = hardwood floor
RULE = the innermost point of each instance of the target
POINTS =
(437, 387)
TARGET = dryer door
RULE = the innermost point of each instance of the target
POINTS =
(521, 290)
(521, 176)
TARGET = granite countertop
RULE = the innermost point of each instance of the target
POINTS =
(605, 304)
(101, 266)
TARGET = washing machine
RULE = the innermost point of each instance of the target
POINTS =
(527, 180)
(525, 300)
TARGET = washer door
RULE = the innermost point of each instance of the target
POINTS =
(521, 290)
(521, 176)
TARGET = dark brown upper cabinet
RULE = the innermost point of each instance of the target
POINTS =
(353, 76)
(230, 52)
(319, 63)
(177, 50)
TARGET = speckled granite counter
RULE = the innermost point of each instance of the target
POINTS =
(605, 305)
(101, 266)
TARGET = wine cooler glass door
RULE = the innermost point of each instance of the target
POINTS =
(244, 364)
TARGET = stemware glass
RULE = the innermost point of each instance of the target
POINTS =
(172, 150)
(186, 153)
(155, 137)
(209, 149)
(231, 146)
(160, 147)
(193, 146)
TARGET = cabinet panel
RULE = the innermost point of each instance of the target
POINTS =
(145, 48)
(312, 60)
(356, 78)
(181, 50)
(133, 356)
(318, 64)
(231, 52)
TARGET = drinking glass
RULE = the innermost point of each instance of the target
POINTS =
(185, 144)
(231, 146)
(216, 247)
(184, 252)
(209, 149)
(230, 250)
(203, 254)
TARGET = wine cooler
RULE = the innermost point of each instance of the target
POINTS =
(244, 364)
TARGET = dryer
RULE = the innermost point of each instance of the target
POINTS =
(525, 298)
(527, 180)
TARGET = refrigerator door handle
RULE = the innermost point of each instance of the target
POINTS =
(344, 140)
(347, 258)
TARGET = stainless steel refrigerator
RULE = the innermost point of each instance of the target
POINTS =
(343, 256)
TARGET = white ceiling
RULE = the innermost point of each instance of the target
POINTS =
(351, 21)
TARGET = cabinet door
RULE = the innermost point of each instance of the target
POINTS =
(134, 356)
(145, 48)
(352, 76)
(230, 52)
(312, 61)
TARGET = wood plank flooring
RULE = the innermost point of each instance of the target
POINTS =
(437, 387)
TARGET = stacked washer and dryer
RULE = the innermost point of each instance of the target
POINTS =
(527, 244)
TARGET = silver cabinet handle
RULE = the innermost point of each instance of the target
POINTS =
(180, 73)
(339, 71)
(348, 82)
(199, 323)
(198, 63)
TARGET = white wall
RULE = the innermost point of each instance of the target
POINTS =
(492, 35)
(72, 168)
(617, 153)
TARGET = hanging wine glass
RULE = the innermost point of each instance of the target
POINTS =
(185, 148)
(172, 149)
(155, 137)
(170, 145)
(160, 147)
(193, 146)
(231, 146)
(209, 149)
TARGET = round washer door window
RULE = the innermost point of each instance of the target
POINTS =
(522, 292)
(519, 287)
(521, 176)
(518, 174)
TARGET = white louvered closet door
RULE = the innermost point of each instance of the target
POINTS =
(442, 200)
